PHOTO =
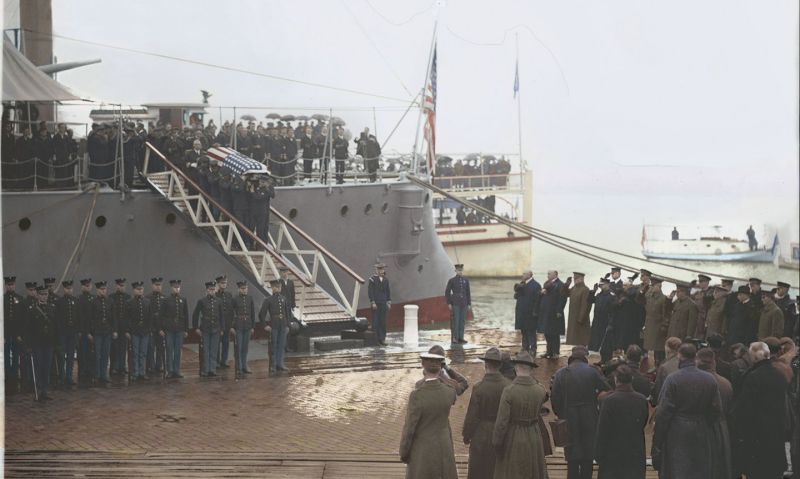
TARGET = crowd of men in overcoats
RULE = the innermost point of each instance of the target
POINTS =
(138, 335)
(723, 398)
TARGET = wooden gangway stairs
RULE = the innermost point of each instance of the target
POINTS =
(320, 295)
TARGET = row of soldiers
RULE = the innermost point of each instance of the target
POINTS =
(134, 334)
(38, 157)
(625, 313)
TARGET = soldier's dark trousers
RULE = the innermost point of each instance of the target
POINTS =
(42, 360)
(66, 363)
(86, 362)
(553, 344)
(211, 344)
(242, 346)
(279, 336)
(308, 167)
(224, 339)
(121, 354)
(339, 172)
(372, 169)
(102, 347)
(244, 218)
(261, 225)
(174, 347)
(379, 320)
(139, 350)
(11, 359)
(579, 469)
(459, 318)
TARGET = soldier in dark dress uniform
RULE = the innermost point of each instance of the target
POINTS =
(119, 347)
(207, 322)
(137, 329)
(103, 329)
(213, 177)
(259, 208)
(616, 280)
(460, 301)
(13, 314)
(40, 338)
(551, 314)
(601, 340)
(226, 305)
(526, 310)
(52, 297)
(310, 152)
(174, 328)
(787, 306)
(380, 299)
(68, 322)
(87, 364)
(225, 196)
(340, 155)
(243, 327)
(155, 346)
(277, 308)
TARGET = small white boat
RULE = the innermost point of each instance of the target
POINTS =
(794, 261)
(708, 248)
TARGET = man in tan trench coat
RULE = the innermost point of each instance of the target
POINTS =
(683, 322)
(578, 330)
(516, 438)
(656, 320)
(426, 445)
(481, 416)
(771, 321)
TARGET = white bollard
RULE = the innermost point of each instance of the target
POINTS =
(411, 326)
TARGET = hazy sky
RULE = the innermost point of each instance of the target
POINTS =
(664, 98)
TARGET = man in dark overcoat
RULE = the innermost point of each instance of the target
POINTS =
(526, 311)
(551, 314)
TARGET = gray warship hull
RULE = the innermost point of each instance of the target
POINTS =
(144, 236)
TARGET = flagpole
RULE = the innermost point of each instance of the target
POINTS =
(414, 159)
(519, 110)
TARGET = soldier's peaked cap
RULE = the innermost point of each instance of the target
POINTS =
(137, 284)
(210, 284)
(49, 281)
(100, 284)
(727, 281)
(646, 272)
(86, 281)
(459, 266)
(220, 279)
(744, 289)
(755, 280)
(120, 281)
(41, 289)
(30, 284)
(68, 283)
(156, 279)
(10, 279)
(175, 282)
(578, 274)
(380, 266)
(241, 284)
(616, 268)
(703, 277)
(781, 284)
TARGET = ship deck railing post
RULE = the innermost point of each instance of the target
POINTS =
(335, 283)
(354, 304)
(315, 267)
(146, 164)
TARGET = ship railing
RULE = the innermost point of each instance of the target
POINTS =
(229, 233)
(491, 183)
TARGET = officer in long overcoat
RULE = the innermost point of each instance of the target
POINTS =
(516, 436)
(481, 416)
(426, 445)
(578, 331)
(526, 310)
(683, 321)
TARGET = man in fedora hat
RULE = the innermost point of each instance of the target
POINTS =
(575, 390)
(380, 299)
(426, 445)
(447, 375)
(516, 437)
(481, 416)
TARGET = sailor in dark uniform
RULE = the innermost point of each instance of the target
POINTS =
(207, 322)
(155, 360)
(243, 327)
(287, 287)
(616, 281)
(259, 208)
(277, 308)
(340, 155)
(87, 364)
(137, 329)
(119, 347)
(310, 152)
(214, 176)
(103, 329)
(290, 150)
(52, 298)
(13, 314)
(39, 335)
(68, 322)
(225, 196)
(174, 328)
(380, 299)
(460, 302)
(226, 305)
(241, 205)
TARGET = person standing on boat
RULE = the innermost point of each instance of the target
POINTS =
(675, 235)
(290, 150)
(380, 299)
(458, 298)
(310, 152)
(551, 314)
(526, 311)
(340, 155)
(752, 242)
(578, 330)
(259, 208)
(787, 306)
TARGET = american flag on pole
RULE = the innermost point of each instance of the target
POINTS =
(235, 162)
(429, 109)
(516, 79)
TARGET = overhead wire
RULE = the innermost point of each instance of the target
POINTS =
(221, 67)
(404, 22)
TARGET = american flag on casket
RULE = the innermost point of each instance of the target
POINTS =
(236, 163)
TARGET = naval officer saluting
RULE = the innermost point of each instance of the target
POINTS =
(459, 300)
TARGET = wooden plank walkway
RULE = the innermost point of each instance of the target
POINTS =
(117, 465)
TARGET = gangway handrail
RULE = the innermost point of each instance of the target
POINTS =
(300, 275)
